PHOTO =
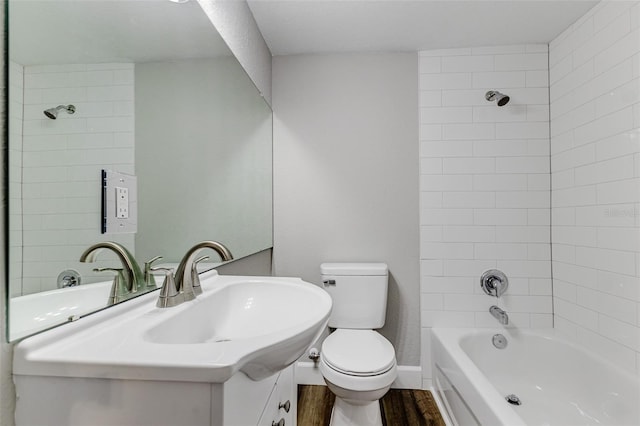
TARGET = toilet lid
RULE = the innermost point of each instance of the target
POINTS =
(358, 352)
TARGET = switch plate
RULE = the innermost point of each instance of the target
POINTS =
(119, 203)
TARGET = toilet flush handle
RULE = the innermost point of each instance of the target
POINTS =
(329, 282)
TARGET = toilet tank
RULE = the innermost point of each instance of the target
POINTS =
(359, 294)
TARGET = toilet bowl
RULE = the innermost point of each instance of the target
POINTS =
(358, 364)
(359, 367)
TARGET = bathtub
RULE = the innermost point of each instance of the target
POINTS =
(36, 312)
(557, 382)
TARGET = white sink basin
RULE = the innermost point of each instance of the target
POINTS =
(243, 310)
(258, 325)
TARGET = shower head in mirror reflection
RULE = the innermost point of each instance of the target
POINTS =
(52, 113)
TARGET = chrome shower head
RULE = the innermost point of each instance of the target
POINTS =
(52, 113)
(494, 95)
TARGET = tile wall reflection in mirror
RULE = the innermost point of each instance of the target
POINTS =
(143, 89)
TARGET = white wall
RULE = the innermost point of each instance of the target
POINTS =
(61, 213)
(595, 165)
(484, 187)
(213, 144)
(345, 169)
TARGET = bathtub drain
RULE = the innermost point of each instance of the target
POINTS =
(513, 399)
(499, 341)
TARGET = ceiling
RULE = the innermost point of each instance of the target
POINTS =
(321, 26)
(81, 31)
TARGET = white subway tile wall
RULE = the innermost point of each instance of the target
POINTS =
(595, 174)
(485, 188)
(61, 163)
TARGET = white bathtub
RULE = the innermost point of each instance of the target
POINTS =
(36, 312)
(558, 383)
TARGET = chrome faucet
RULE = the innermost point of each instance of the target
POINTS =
(169, 295)
(499, 314)
(129, 278)
(186, 280)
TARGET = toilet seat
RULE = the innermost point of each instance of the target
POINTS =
(360, 353)
(363, 384)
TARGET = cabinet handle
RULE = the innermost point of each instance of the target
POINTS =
(286, 406)
(280, 423)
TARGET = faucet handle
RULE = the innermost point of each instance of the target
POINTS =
(149, 280)
(147, 264)
(107, 269)
(493, 284)
(169, 295)
(195, 278)
(119, 290)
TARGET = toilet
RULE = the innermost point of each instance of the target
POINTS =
(357, 363)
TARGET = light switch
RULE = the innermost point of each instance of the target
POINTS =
(122, 202)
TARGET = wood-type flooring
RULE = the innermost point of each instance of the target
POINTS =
(399, 407)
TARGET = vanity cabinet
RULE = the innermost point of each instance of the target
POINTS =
(100, 402)
(260, 403)
(224, 359)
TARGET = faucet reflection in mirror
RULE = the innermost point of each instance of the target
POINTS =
(186, 285)
(128, 280)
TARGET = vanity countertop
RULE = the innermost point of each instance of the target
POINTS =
(238, 323)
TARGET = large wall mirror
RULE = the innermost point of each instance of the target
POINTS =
(157, 98)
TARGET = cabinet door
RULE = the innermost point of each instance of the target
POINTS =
(244, 399)
(287, 391)
(281, 405)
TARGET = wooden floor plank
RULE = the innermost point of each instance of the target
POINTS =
(429, 409)
(314, 405)
(399, 407)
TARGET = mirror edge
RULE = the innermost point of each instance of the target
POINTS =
(5, 166)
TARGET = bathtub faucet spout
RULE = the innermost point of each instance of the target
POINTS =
(499, 314)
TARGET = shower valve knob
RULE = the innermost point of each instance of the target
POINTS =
(494, 282)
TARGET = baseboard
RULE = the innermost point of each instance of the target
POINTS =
(409, 376)
(308, 373)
